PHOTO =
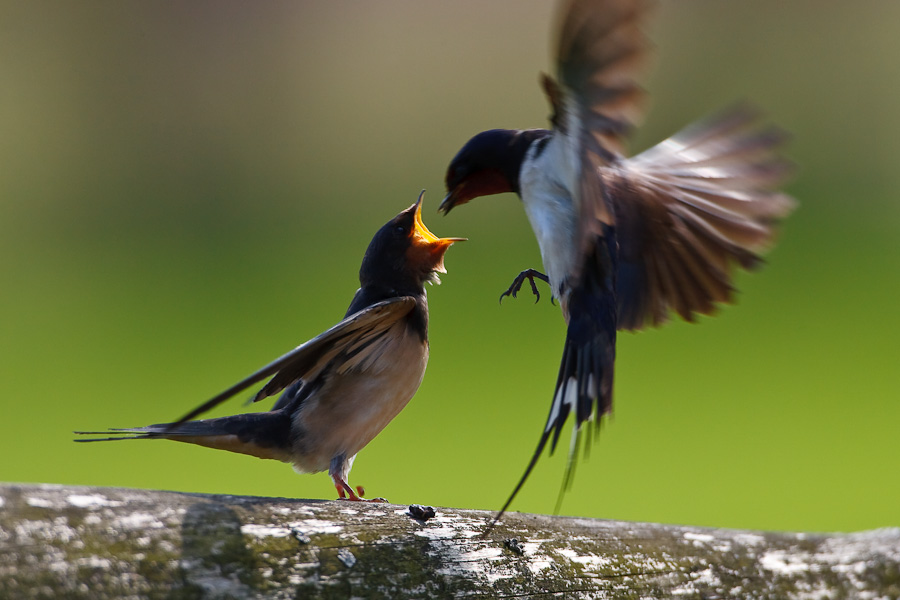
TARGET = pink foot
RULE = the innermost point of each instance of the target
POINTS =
(345, 492)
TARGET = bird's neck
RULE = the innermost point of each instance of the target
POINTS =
(525, 143)
(417, 319)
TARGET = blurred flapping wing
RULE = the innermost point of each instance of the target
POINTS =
(689, 209)
(601, 53)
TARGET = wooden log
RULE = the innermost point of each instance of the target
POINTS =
(97, 543)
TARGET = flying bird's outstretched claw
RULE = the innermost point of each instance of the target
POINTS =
(516, 286)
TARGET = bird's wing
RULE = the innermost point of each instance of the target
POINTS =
(689, 209)
(351, 337)
(600, 54)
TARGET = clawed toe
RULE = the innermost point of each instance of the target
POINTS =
(345, 492)
(530, 275)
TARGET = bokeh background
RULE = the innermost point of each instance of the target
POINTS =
(187, 189)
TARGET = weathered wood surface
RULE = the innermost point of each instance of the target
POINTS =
(76, 542)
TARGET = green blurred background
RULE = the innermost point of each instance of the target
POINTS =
(187, 190)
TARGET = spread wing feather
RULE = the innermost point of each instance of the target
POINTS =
(691, 208)
(351, 336)
(601, 53)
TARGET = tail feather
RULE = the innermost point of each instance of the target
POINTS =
(585, 381)
(588, 358)
(266, 434)
(531, 464)
(571, 463)
(113, 436)
(161, 430)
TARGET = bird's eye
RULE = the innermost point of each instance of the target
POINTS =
(400, 229)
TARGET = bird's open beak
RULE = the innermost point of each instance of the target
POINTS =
(449, 201)
(423, 239)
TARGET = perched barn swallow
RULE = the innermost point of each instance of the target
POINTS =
(624, 241)
(341, 388)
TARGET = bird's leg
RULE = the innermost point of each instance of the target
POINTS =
(345, 492)
(528, 274)
(339, 471)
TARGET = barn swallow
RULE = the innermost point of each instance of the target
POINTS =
(341, 388)
(624, 241)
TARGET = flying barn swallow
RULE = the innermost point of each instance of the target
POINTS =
(624, 241)
(341, 388)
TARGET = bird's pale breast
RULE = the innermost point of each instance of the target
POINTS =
(548, 204)
(357, 402)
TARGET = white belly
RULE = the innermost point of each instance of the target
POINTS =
(548, 205)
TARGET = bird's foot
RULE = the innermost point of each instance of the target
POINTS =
(528, 274)
(345, 492)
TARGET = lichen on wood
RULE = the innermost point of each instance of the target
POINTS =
(75, 542)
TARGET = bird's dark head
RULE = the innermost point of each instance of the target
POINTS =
(488, 164)
(403, 255)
